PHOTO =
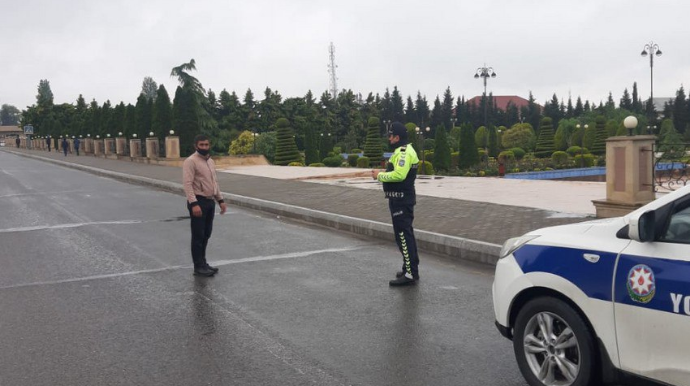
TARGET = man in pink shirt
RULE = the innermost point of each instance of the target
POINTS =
(202, 191)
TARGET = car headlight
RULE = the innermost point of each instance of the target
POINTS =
(511, 245)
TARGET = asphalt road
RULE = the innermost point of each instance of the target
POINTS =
(96, 289)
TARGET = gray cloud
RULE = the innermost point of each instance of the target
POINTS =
(103, 50)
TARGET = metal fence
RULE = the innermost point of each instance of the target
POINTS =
(670, 170)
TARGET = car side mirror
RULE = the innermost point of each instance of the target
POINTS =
(641, 227)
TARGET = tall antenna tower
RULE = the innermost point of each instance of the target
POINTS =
(331, 70)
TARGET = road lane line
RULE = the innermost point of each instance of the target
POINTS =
(176, 267)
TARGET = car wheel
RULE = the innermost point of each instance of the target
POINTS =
(553, 344)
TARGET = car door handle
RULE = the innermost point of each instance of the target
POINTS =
(591, 257)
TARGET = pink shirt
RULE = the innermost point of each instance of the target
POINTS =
(199, 178)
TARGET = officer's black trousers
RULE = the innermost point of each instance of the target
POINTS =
(403, 216)
(201, 230)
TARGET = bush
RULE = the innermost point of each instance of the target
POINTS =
(316, 165)
(506, 156)
(357, 151)
(352, 159)
(559, 158)
(295, 164)
(574, 150)
(454, 159)
(363, 162)
(333, 162)
(429, 156)
(426, 168)
(587, 160)
(518, 152)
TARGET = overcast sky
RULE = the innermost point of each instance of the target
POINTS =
(104, 49)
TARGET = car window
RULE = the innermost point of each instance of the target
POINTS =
(678, 230)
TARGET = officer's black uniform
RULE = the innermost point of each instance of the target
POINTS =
(401, 201)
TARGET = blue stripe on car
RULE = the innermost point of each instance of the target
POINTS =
(594, 279)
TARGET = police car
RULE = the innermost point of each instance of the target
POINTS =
(604, 301)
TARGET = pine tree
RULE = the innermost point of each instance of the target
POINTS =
(636, 102)
(545, 141)
(469, 156)
(286, 148)
(372, 147)
(600, 135)
(436, 114)
(493, 142)
(422, 109)
(680, 111)
(442, 157)
(579, 109)
(447, 108)
(626, 102)
(185, 120)
(143, 108)
(311, 150)
(162, 114)
(397, 105)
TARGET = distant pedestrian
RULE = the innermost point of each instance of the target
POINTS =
(398, 185)
(18, 141)
(77, 142)
(202, 190)
(48, 142)
(65, 146)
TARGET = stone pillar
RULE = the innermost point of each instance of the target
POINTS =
(135, 148)
(88, 146)
(172, 147)
(120, 145)
(82, 146)
(152, 147)
(98, 147)
(629, 175)
(70, 141)
(109, 146)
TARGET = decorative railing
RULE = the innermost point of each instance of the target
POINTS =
(671, 168)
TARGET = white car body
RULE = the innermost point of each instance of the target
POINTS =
(640, 321)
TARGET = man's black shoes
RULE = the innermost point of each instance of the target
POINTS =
(204, 271)
(214, 269)
(402, 281)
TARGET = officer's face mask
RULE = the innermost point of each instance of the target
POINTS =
(203, 152)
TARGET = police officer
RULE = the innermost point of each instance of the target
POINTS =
(398, 185)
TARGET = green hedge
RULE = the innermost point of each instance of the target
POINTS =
(363, 162)
(352, 159)
(333, 162)
(559, 158)
(316, 165)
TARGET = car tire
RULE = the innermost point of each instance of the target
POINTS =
(567, 357)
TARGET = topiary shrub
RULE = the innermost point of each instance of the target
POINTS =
(586, 160)
(352, 159)
(429, 156)
(316, 165)
(363, 162)
(286, 148)
(373, 148)
(518, 152)
(295, 164)
(357, 151)
(333, 162)
(559, 158)
(426, 168)
(506, 156)
(574, 150)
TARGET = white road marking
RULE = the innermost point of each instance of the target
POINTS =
(176, 267)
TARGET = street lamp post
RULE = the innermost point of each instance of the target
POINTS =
(651, 49)
(485, 73)
(630, 123)
(651, 129)
(254, 135)
(387, 123)
(421, 148)
(582, 142)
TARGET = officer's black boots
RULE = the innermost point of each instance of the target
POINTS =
(402, 281)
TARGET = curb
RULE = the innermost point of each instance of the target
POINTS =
(456, 248)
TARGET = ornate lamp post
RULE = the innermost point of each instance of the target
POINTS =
(582, 142)
(485, 73)
(651, 49)
(630, 123)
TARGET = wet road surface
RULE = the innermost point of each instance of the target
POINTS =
(96, 289)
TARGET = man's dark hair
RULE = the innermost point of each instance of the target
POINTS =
(199, 138)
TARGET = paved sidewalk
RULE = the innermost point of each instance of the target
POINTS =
(459, 228)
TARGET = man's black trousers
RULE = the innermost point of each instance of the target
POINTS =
(403, 216)
(201, 230)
